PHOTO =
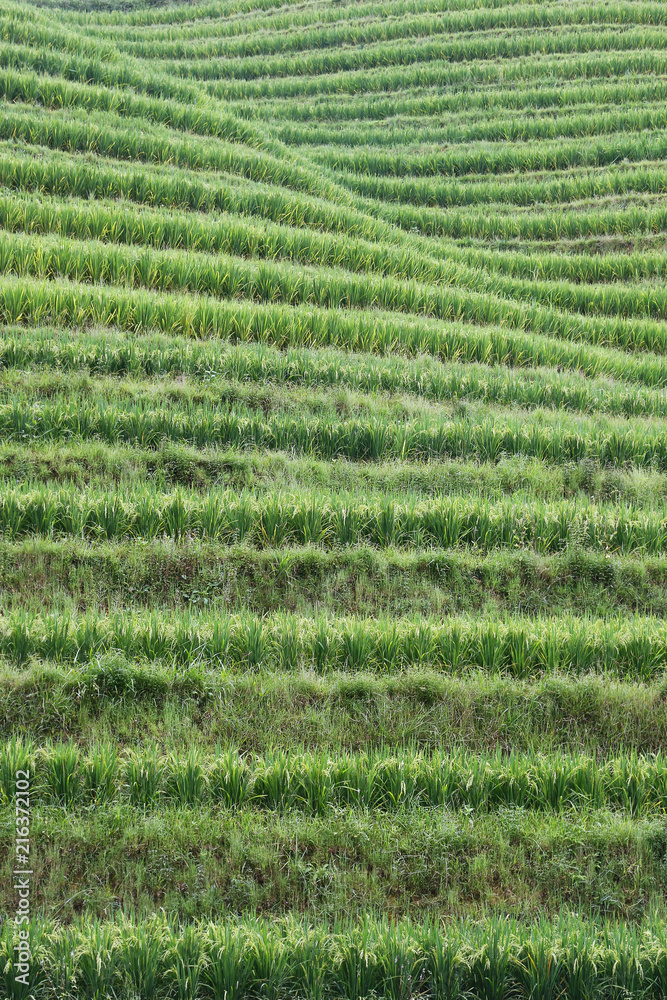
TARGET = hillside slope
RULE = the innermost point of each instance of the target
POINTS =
(333, 497)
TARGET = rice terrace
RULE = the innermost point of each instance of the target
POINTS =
(333, 500)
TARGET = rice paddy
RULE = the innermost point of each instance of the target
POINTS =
(333, 499)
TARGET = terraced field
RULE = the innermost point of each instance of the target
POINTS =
(333, 498)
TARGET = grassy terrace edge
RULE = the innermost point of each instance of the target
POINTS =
(364, 695)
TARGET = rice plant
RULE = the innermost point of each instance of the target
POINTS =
(519, 647)
(315, 782)
(100, 774)
(332, 382)
(62, 774)
(185, 780)
(143, 777)
(17, 755)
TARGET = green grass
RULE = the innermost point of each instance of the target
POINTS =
(317, 783)
(194, 702)
(322, 521)
(501, 956)
(520, 648)
(362, 581)
(209, 862)
(333, 498)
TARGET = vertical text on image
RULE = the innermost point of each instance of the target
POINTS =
(22, 874)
